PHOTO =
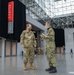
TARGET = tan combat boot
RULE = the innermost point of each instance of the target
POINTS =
(25, 66)
(31, 66)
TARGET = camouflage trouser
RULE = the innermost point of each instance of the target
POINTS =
(28, 55)
(51, 56)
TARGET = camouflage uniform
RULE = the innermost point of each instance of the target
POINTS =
(50, 47)
(28, 41)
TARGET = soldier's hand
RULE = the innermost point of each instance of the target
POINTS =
(46, 37)
(34, 45)
(23, 46)
(41, 35)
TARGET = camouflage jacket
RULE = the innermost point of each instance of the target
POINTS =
(27, 39)
(50, 40)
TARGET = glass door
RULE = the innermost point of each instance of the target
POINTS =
(14, 48)
(8, 48)
(11, 48)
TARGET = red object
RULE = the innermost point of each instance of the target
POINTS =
(10, 11)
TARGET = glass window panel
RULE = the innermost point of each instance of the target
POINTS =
(64, 5)
(58, 6)
(64, 8)
(43, 0)
(68, 11)
(39, 2)
(55, 10)
(64, 12)
(72, 3)
(56, 13)
(55, 4)
(69, 8)
(60, 9)
(60, 13)
(36, 1)
(68, 0)
(72, 11)
(68, 3)
(55, 7)
(71, 0)
(43, 6)
(26, 10)
(72, 7)
(59, 2)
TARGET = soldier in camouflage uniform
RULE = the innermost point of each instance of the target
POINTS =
(28, 42)
(50, 47)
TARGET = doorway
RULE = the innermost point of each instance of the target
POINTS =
(10, 48)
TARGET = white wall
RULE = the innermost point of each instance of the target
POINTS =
(69, 40)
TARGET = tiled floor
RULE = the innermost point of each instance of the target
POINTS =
(14, 65)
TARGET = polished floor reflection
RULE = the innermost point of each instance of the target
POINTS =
(14, 65)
